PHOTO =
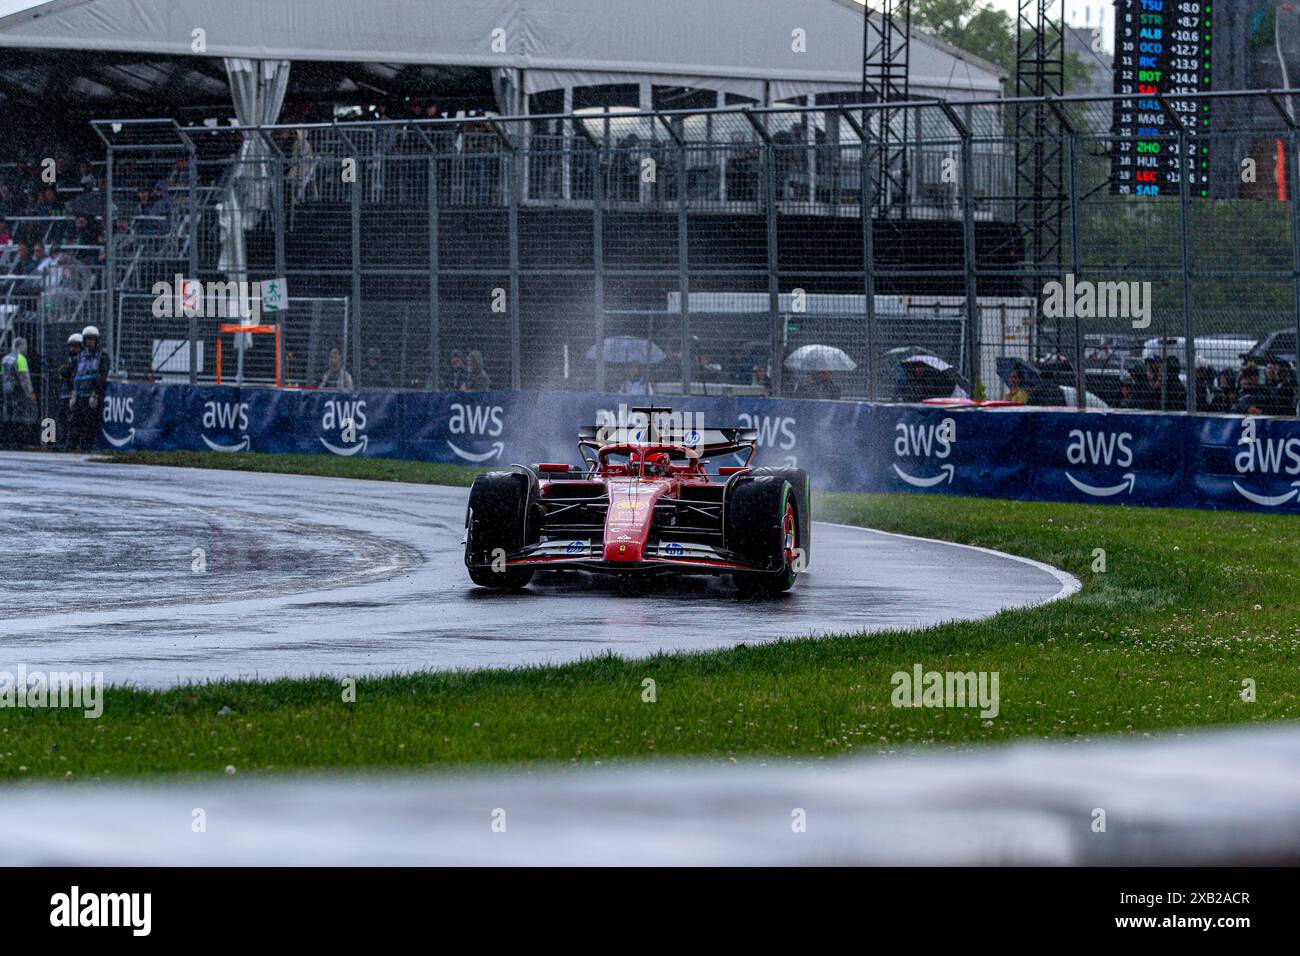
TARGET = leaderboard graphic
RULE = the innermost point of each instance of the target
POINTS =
(1162, 49)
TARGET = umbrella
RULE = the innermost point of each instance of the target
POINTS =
(1028, 374)
(945, 382)
(820, 358)
(1090, 400)
(893, 359)
(625, 349)
(931, 360)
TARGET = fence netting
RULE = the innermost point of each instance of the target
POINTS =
(886, 252)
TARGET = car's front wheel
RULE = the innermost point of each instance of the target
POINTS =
(762, 529)
(496, 524)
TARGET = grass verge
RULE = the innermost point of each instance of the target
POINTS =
(1190, 605)
(324, 466)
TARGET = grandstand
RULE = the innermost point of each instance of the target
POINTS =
(419, 93)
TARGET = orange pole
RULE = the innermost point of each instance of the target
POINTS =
(218, 358)
(277, 355)
(1280, 170)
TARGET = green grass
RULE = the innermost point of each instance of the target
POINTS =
(326, 466)
(1190, 605)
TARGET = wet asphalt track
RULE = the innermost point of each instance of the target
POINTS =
(331, 576)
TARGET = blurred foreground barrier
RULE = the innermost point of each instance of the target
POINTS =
(1187, 461)
(1222, 797)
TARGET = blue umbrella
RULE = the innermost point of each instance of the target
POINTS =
(625, 349)
(1029, 376)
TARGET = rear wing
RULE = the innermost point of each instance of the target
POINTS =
(708, 441)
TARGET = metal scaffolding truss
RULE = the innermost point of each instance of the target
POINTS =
(885, 29)
(1040, 154)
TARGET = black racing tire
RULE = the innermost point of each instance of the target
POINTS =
(499, 517)
(802, 486)
(761, 529)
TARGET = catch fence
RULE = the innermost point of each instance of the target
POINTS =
(502, 252)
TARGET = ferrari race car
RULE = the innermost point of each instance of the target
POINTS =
(645, 503)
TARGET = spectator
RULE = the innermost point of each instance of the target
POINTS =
(758, 376)
(1252, 396)
(19, 397)
(48, 203)
(1204, 380)
(66, 373)
(1046, 394)
(1225, 393)
(1165, 390)
(6, 237)
(1281, 384)
(336, 376)
(85, 232)
(818, 385)
(459, 380)
(374, 374)
(637, 383)
(478, 380)
(1016, 391)
(53, 270)
(25, 265)
(706, 369)
(88, 384)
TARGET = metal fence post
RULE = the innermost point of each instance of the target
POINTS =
(598, 262)
(1294, 163)
(1189, 340)
(435, 315)
(867, 199)
(356, 271)
(513, 221)
(1080, 376)
(110, 262)
(973, 337)
(1076, 263)
(775, 324)
(193, 331)
(280, 224)
(968, 247)
(683, 269)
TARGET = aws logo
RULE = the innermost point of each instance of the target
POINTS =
(226, 417)
(476, 423)
(119, 410)
(1267, 456)
(1099, 450)
(774, 431)
(348, 418)
(925, 441)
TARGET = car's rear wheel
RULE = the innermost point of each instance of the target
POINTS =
(762, 529)
(497, 523)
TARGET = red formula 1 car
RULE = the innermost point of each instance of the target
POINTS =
(645, 503)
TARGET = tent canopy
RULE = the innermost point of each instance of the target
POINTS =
(713, 44)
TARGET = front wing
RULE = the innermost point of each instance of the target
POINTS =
(659, 557)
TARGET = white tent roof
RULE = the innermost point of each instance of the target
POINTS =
(720, 44)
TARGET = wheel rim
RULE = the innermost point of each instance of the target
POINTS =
(790, 536)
